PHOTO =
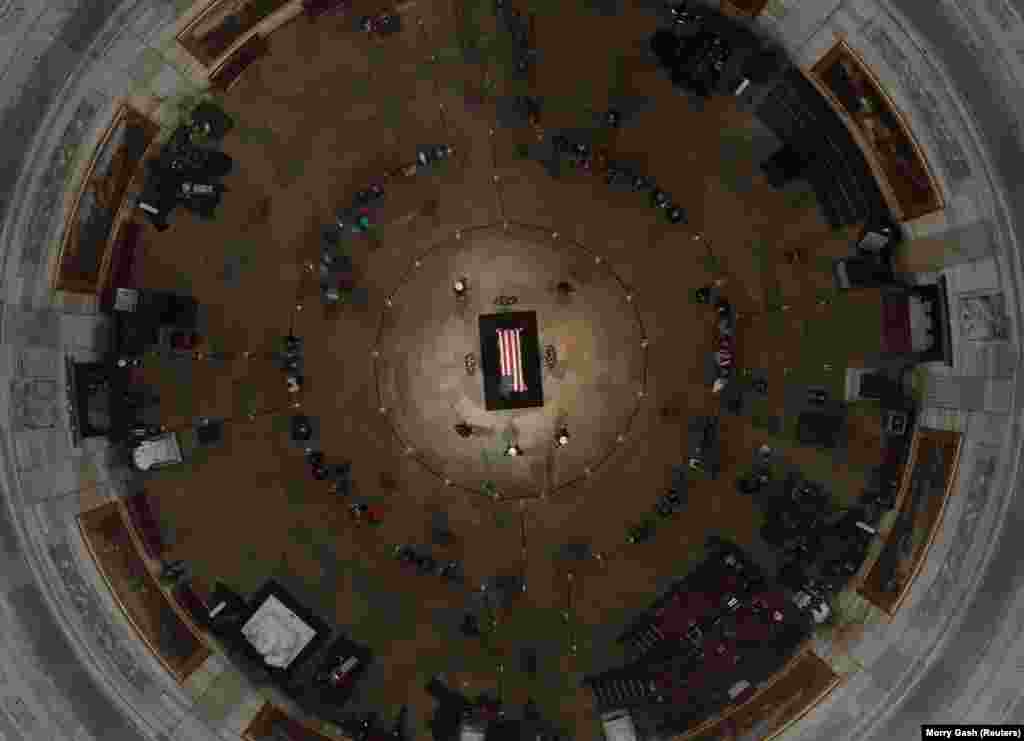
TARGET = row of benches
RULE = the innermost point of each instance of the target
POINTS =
(836, 168)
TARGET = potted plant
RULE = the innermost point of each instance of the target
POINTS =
(490, 489)
(917, 379)
(179, 109)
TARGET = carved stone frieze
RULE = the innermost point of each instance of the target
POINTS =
(36, 403)
(55, 180)
(976, 497)
(927, 109)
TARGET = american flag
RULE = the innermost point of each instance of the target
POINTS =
(510, 348)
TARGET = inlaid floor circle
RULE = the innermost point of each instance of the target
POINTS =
(593, 388)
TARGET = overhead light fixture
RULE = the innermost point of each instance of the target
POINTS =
(460, 286)
(513, 450)
(562, 437)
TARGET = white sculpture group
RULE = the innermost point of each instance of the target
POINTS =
(277, 633)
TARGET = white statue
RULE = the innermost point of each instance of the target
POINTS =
(275, 639)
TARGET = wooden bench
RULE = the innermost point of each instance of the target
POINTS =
(229, 72)
(271, 718)
(123, 259)
(116, 546)
(929, 518)
(790, 694)
(313, 9)
(190, 600)
(223, 24)
(92, 228)
(146, 524)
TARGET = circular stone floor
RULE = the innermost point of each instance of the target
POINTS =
(594, 389)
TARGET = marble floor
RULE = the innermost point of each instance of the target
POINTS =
(308, 134)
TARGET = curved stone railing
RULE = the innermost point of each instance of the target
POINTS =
(904, 671)
(60, 627)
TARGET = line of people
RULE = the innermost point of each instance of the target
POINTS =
(519, 29)
(423, 563)
(725, 343)
(338, 475)
(622, 176)
(669, 504)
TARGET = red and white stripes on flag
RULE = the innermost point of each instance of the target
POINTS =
(511, 351)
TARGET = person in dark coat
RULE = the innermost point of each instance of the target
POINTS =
(451, 708)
